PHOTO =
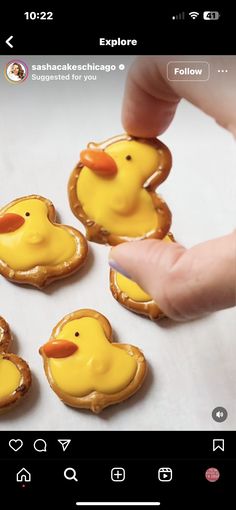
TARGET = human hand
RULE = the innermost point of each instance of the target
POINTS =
(186, 283)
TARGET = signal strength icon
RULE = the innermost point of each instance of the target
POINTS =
(193, 14)
(179, 16)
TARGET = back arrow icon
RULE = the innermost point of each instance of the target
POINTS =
(8, 41)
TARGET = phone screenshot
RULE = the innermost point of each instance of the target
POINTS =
(117, 258)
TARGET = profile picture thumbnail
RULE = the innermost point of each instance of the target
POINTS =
(16, 71)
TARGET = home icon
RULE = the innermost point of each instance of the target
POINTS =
(23, 476)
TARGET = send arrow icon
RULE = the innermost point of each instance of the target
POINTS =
(64, 443)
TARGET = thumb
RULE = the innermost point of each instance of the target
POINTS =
(186, 283)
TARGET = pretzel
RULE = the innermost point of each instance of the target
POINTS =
(15, 375)
(85, 368)
(34, 249)
(112, 190)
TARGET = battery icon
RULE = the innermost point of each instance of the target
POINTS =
(211, 15)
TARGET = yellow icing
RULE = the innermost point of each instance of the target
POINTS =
(131, 288)
(96, 365)
(37, 241)
(120, 203)
(9, 377)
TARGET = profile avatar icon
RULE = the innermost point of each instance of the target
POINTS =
(16, 71)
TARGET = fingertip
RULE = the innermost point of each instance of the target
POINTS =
(145, 117)
(148, 105)
(129, 258)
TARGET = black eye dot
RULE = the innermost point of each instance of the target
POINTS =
(76, 333)
(128, 157)
(27, 214)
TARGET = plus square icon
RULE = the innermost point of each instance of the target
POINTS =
(118, 474)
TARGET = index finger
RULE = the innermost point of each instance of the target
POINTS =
(150, 100)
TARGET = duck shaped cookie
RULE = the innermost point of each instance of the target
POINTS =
(34, 249)
(129, 294)
(85, 368)
(112, 190)
(15, 375)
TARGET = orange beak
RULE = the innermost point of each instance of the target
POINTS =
(99, 161)
(59, 349)
(10, 222)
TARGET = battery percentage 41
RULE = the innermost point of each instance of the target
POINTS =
(211, 15)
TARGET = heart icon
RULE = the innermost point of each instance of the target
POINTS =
(15, 444)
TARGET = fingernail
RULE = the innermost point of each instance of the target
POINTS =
(114, 265)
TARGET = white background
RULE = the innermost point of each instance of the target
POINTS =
(192, 367)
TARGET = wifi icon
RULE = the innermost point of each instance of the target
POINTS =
(194, 14)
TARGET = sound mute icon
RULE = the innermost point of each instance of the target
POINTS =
(179, 17)
(219, 414)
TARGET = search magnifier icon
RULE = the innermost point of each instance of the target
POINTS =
(70, 474)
